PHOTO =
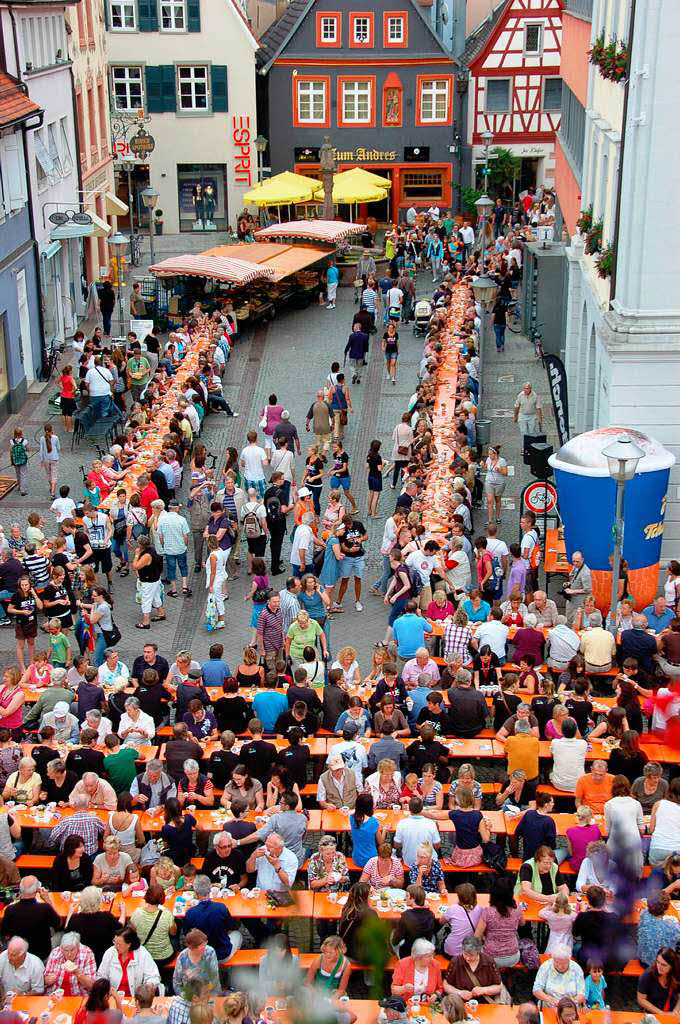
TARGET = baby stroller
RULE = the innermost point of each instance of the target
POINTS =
(423, 312)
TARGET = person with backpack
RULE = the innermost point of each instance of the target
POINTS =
(489, 572)
(341, 405)
(531, 548)
(255, 529)
(18, 457)
(276, 508)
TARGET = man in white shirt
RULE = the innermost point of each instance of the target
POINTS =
(516, 254)
(174, 533)
(414, 830)
(253, 460)
(99, 381)
(302, 550)
(433, 212)
(467, 234)
(411, 216)
(63, 507)
(395, 297)
(458, 569)
(493, 633)
(189, 411)
(102, 726)
(20, 971)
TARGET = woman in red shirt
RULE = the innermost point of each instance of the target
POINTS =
(67, 397)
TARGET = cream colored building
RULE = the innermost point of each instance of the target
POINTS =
(87, 51)
(167, 68)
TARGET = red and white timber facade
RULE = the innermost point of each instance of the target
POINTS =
(515, 90)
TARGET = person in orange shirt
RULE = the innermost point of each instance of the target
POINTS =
(305, 503)
(595, 789)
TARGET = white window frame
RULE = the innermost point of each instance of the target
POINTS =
(42, 177)
(126, 81)
(486, 96)
(126, 8)
(328, 20)
(53, 146)
(395, 19)
(174, 7)
(354, 91)
(360, 20)
(193, 80)
(539, 50)
(312, 88)
(433, 93)
(66, 156)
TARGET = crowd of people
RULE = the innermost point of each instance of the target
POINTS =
(127, 755)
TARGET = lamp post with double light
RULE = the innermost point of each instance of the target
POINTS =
(487, 139)
(150, 198)
(622, 458)
(118, 243)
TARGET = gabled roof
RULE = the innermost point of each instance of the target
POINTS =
(475, 42)
(15, 105)
(277, 36)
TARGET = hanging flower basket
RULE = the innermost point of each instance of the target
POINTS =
(604, 261)
(594, 238)
(611, 59)
(585, 221)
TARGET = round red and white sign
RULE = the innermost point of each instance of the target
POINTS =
(540, 497)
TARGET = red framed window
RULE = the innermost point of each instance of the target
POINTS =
(434, 99)
(395, 30)
(328, 29)
(393, 102)
(311, 101)
(356, 102)
(362, 30)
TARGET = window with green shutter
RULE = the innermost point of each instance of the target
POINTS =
(161, 96)
(147, 15)
(194, 15)
(218, 73)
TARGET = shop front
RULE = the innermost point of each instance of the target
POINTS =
(202, 197)
(414, 183)
(537, 166)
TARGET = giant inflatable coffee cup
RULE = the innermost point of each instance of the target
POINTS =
(587, 506)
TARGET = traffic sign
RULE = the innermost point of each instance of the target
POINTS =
(540, 498)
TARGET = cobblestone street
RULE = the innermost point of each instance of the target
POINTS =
(291, 357)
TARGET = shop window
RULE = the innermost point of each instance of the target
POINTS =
(173, 16)
(310, 101)
(356, 102)
(127, 88)
(122, 15)
(552, 94)
(361, 29)
(533, 38)
(434, 100)
(422, 185)
(497, 95)
(192, 87)
(395, 29)
(328, 28)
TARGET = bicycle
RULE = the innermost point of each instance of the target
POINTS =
(537, 342)
(513, 321)
(52, 361)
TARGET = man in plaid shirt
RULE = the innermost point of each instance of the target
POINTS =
(180, 1007)
(60, 971)
(83, 823)
(457, 638)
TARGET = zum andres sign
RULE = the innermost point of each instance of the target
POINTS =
(365, 154)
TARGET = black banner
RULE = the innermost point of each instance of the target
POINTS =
(557, 379)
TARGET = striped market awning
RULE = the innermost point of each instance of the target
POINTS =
(221, 268)
(316, 230)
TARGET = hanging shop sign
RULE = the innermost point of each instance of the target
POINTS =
(142, 144)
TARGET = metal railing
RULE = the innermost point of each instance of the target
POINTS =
(583, 8)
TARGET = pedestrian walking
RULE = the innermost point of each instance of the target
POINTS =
(527, 411)
(174, 533)
(67, 397)
(390, 346)
(402, 445)
(332, 279)
(312, 478)
(376, 468)
(341, 404)
(340, 475)
(253, 460)
(148, 565)
(321, 418)
(499, 324)
(276, 508)
(18, 456)
(356, 349)
(107, 304)
(216, 577)
(50, 453)
(255, 529)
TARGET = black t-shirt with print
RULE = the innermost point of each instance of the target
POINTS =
(351, 543)
(341, 464)
(25, 604)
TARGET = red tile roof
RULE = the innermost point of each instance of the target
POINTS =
(15, 105)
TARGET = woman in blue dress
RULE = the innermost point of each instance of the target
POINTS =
(316, 602)
(330, 570)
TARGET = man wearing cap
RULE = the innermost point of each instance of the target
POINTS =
(174, 533)
(528, 412)
(337, 786)
(286, 429)
(56, 693)
(395, 1009)
(65, 724)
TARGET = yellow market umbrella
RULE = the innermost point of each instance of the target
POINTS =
(359, 186)
(283, 188)
(360, 174)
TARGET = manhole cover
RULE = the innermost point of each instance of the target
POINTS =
(507, 378)
(502, 414)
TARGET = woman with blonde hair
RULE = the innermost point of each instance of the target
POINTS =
(347, 661)
(110, 867)
(234, 1009)
(331, 969)
(466, 779)
(165, 874)
(249, 672)
(452, 1010)
(384, 785)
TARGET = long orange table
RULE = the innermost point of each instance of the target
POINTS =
(336, 821)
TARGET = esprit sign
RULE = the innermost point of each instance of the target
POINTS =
(241, 137)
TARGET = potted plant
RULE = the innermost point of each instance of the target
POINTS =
(604, 261)
(158, 222)
(585, 221)
(594, 238)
